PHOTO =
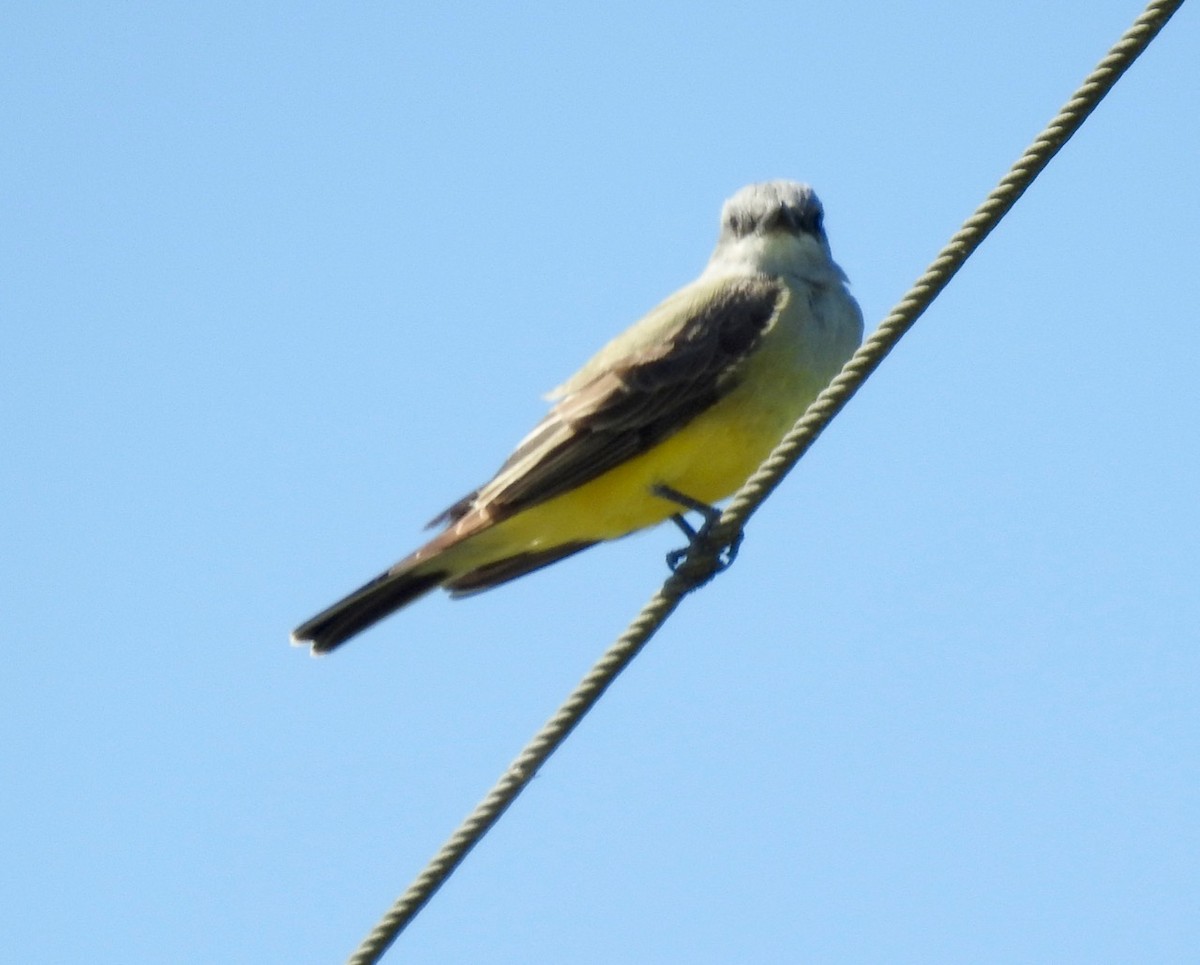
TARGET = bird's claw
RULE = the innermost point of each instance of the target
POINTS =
(675, 559)
(723, 560)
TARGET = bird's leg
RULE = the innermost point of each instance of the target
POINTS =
(688, 530)
(711, 515)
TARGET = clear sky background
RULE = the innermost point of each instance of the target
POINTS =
(281, 281)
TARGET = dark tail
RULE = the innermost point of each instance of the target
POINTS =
(405, 582)
(369, 604)
(502, 571)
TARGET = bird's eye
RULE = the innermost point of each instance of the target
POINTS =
(812, 221)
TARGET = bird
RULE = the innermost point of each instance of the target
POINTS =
(673, 414)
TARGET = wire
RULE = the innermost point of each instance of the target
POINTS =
(702, 561)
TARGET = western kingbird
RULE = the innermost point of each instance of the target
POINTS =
(682, 407)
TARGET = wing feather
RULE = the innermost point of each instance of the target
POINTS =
(622, 404)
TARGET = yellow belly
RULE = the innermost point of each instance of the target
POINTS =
(708, 459)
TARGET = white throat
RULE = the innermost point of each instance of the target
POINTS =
(777, 253)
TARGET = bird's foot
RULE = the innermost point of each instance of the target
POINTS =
(725, 555)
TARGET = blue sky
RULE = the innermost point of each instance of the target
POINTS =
(281, 281)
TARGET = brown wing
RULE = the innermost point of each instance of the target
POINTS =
(630, 405)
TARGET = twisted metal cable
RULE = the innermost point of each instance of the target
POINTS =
(519, 773)
(947, 263)
(702, 560)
